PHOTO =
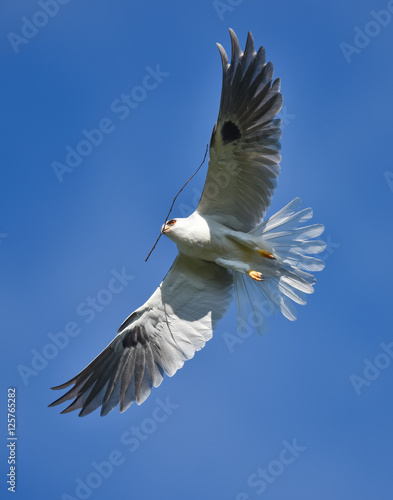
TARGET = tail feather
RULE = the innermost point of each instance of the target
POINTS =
(297, 296)
(305, 262)
(293, 246)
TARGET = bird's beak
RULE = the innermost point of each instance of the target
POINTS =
(163, 229)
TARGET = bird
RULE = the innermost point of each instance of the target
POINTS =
(225, 248)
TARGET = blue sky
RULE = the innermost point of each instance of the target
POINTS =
(302, 412)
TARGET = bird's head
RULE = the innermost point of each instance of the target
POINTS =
(170, 227)
(177, 229)
(186, 231)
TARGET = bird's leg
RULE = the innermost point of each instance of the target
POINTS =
(249, 242)
(240, 267)
(255, 275)
(265, 253)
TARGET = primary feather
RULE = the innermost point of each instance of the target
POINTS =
(245, 144)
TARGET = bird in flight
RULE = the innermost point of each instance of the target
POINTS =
(224, 247)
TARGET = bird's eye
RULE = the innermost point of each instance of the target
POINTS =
(171, 222)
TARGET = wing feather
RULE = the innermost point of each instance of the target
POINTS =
(157, 338)
(245, 144)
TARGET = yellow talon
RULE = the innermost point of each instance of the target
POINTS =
(266, 254)
(255, 275)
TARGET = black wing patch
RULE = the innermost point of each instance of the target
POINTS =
(230, 132)
(135, 336)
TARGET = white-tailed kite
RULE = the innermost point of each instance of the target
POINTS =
(221, 246)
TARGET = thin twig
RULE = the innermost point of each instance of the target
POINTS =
(175, 198)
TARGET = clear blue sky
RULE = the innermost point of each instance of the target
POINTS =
(288, 415)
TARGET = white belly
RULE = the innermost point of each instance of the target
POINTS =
(206, 239)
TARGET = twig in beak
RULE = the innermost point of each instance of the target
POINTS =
(173, 202)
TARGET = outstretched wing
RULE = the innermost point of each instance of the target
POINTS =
(244, 147)
(158, 337)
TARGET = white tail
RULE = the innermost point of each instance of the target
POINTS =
(292, 245)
